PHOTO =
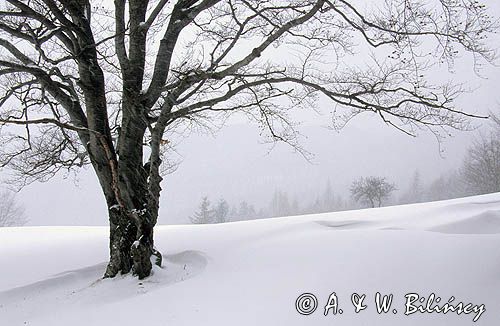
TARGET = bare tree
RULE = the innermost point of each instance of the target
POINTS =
(481, 167)
(371, 190)
(104, 85)
(11, 212)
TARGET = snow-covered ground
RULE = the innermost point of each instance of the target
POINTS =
(251, 273)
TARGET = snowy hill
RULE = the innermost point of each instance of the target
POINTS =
(252, 273)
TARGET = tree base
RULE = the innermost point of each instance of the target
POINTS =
(128, 254)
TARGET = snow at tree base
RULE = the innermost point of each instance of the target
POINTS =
(253, 272)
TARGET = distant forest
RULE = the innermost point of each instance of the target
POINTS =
(479, 173)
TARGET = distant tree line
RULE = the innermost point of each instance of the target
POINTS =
(478, 174)
(280, 204)
(221, 212)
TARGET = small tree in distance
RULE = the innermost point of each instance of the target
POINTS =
(205, 214)
(415, 191)
(371, 190)
(11, 212)
(221, 211)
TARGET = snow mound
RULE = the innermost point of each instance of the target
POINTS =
(85, 286)
(253, 272)
(344, 225)
(484, 223)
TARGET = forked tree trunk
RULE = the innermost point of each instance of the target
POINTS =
(131, 243)
(132, 209)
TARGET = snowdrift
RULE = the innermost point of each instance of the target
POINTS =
(282, 271)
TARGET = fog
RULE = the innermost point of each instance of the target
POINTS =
(235, 163)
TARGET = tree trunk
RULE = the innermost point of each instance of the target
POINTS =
(372, 202)
(131, 243)
(132, 213)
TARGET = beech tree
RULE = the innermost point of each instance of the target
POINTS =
(371, 190)
(100, 83)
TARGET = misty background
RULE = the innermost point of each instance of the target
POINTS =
(236, 164)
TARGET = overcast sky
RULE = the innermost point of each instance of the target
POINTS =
(236, 165)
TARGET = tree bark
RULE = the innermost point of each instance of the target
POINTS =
(131, 243)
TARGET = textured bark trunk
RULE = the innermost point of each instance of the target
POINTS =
(121, 237)
(131, 243)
